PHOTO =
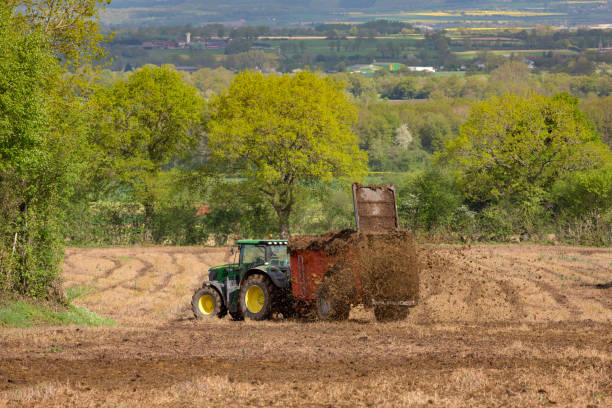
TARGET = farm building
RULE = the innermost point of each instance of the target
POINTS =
(422, 69)
(369, 69)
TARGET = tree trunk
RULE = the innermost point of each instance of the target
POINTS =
(284, 230)
(283, 225)
(283, 222)
(148, 227)
(282, 201)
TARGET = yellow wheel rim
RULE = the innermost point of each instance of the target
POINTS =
(206, 304)
(254, 299)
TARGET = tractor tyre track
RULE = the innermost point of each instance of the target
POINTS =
(168, 276)
(511, 293)
(140, 272)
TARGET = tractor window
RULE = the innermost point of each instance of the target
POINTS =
(278, 255)
(252, 254)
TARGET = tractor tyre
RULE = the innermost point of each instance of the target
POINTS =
(332, 304)
(206, 303)
(390, 313)
(256, 297)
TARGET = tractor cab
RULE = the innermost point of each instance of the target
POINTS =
(259, 252)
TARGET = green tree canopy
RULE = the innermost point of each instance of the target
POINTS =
(142, 123)
(70, 27)
(284, 131)
(513, 145)
(510, 77)
(31, 182)
(599, 111)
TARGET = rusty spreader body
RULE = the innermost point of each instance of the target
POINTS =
(351, 262)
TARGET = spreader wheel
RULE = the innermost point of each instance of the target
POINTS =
(256, 297)
(207, 303)
(332, 305)
(390, 313)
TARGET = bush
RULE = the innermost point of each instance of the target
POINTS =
(179, 224)
(430, 200)
(236, 209)
(323, 209)
(105, 223)
(594, 229)
(495, 222)
(583, 206)
(585, 192)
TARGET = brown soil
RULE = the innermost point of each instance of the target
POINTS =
(495, 326)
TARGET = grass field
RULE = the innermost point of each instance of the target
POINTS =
(449, 73)
(496, 325)
(528, 52)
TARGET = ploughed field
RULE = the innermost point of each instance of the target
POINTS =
(496, 326)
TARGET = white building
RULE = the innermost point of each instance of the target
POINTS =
(422, 69)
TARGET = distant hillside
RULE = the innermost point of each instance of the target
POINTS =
(299, 12)
(324, 5)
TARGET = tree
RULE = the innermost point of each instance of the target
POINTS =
(142, 123)
(256, 59)
(376, 122)
(69, 26)
(429, 199)
(403, 137)
(31, 182)
(513, 146)
(357, 85)
(440, 43)
(434, 132)
(510, 77)
(285, 131)
(238, 46)
(587, 192)
(405, 88)
(599, 111)
(42, 129)
(209, 81)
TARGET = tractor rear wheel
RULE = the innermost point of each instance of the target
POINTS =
(256, 297)
(206, 302)
(331, 304)
(390, 313)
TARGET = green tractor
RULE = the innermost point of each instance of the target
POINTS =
(324, 274)
(255, 286)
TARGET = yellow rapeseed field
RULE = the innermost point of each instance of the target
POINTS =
(488, 28)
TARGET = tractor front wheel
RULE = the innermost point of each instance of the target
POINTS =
(256, 297)
(207, 303)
